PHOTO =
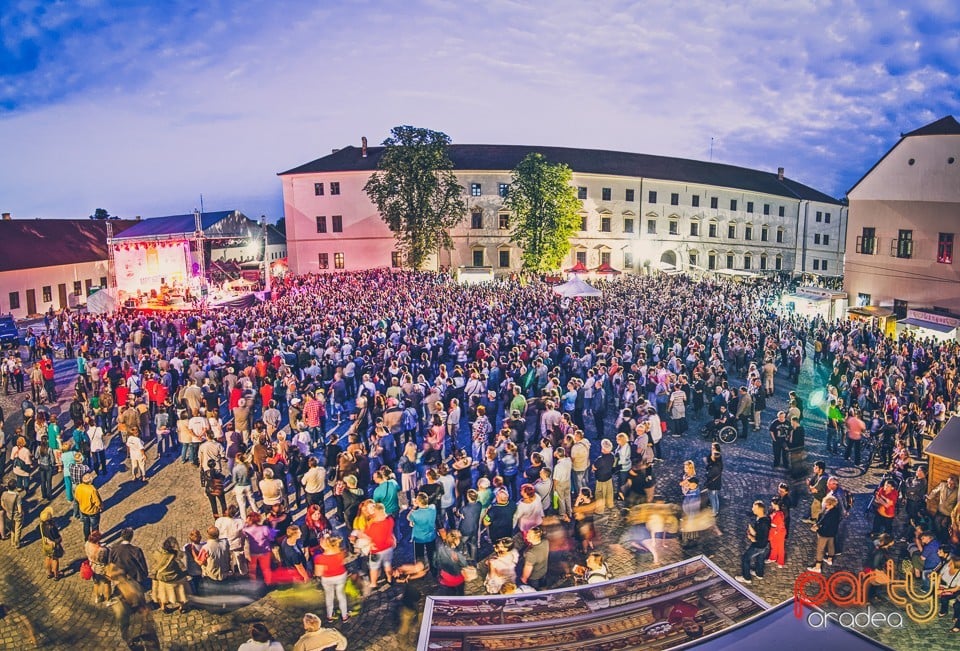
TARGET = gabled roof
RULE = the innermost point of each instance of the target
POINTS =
(945, 126)
(224, 223)
(32, 243)
(588, 161)
(274, 236)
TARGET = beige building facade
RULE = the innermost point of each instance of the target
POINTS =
(904, 221)
(639, 213)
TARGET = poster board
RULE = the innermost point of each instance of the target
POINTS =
(660, 609)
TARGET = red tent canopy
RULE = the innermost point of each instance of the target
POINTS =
(578, 268)
(605, 268)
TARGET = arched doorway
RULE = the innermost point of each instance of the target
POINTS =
(668, 260)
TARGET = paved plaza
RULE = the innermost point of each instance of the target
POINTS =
(43, 614)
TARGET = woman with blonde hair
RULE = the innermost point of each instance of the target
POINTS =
(329, 567)
(52, 544)
(409, 479)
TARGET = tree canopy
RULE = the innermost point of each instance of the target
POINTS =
(544, 210)
(100, 213)
(416, 192)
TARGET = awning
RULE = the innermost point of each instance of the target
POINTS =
(928, 325)
(870, 310)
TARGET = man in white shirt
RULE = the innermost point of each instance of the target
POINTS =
(314, 482)
(562, 470)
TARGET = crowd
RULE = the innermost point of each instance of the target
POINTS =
(477, 432)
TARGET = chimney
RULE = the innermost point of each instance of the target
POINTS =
(334, 151)
(6, 217)
(363, 148)
(779, 173)
(137, 218)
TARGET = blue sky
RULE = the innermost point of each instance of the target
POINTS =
(141, 107)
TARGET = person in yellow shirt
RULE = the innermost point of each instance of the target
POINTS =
(90, 504)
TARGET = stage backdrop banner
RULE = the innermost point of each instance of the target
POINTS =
(669, 607)
(142, 267)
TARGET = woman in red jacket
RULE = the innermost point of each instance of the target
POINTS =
(778, 535)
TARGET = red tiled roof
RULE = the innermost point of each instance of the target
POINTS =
(31, 243)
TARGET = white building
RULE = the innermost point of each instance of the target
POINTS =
(46, 263)
(640, 212)
(904, 219)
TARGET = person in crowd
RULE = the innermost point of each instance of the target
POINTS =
(52, 544)
(317, 637)
(826, 526)
(330, 567)
(758, 538)
(170, 578)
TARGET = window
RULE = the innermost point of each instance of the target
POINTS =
(14, 300)
(779, 236)
(582, 257)
(944, 250)
(77, 288)
(711, 260)
(863, 299)
(321, 223)
(766, 209)
(605, 224)
(652, 196)
(778, 263)
(478, 257)
(763, 261)
(503, 189)
(693, 258)
(581, 192)
(733, 204)
(712, 229)
(900, 308)
(695, 229)
(816, 238)
(714, 202)
(627, 260)
(823, 265)
(504, 258)
(747, 260)
(605, 194)
(732, 231)
(103, 281)
(628, 195)
(816, 265)
(395, 259)
(826, 218)
(826, 239)
(764, 234)
(324, 260)
(605, 258)
(318, 189)
(730, 261)
(674, 227)
(503, 221)
(695, 201)
(47, 294)
(781, 211)
(819, 216)
(476, 219)
(628, 224)
(335, 187)
(749, 206)
(904, 244)
(652, 226)
(674, 199)
(337, 223)
(475, 190)
(583, 222)
(867, 241)
(338, 260)
(748, 232)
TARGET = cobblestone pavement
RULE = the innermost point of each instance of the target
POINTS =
(42, 614)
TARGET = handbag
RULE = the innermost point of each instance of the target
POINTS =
(86, 570)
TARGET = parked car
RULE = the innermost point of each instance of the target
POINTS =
(9, 334)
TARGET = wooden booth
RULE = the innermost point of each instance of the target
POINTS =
(944, 453)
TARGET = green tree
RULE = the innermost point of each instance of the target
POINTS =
(416, 192)
(544, 210)
(100, 213)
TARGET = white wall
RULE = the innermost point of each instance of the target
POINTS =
(24, 279)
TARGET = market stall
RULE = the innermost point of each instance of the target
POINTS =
(930, 324)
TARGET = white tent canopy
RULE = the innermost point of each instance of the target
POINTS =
(576, 287)
(102, 302)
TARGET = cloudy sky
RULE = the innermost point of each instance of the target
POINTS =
(141, 107)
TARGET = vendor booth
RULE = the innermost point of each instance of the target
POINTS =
(828, 304)
(933, 324)
(874, 316)
(944, 453)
